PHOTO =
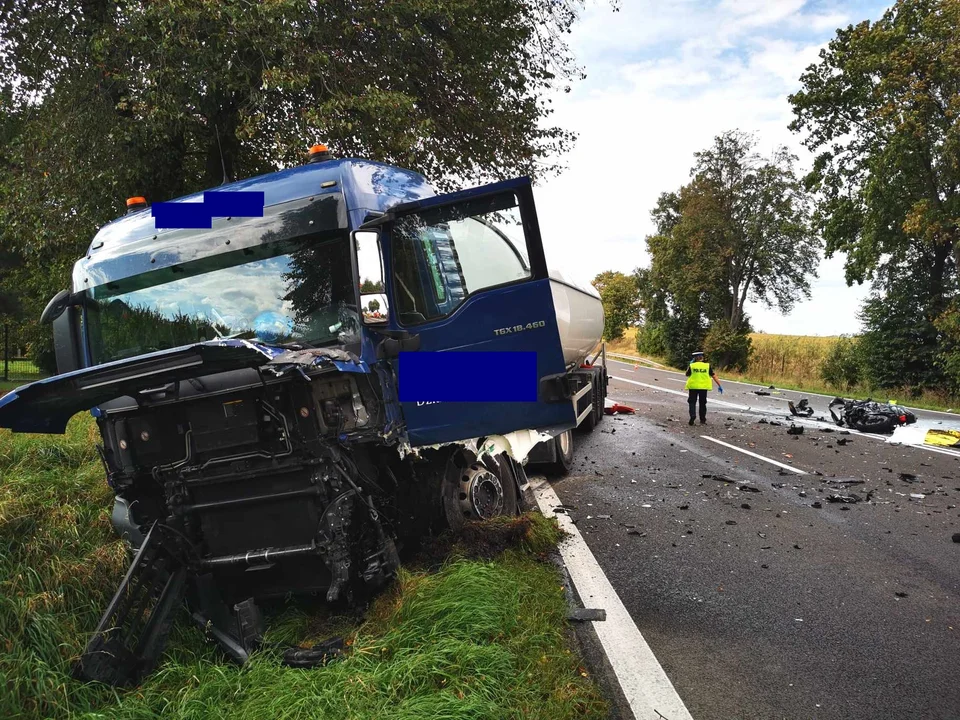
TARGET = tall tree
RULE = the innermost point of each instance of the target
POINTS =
(880, 110)
(121, 98)
(739, 231)
(620, 302)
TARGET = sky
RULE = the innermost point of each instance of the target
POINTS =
(664, 77)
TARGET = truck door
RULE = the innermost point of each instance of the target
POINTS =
(466, 273)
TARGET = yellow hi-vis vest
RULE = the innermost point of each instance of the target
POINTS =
(699, 377)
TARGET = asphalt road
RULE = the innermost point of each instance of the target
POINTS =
(757, 603)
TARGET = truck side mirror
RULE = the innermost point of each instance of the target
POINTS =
(55, 307)
(65, 317)
(370, 277)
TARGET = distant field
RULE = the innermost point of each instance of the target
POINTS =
(626, 345)
(794, 359)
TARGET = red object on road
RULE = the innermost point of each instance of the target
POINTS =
(618, 408)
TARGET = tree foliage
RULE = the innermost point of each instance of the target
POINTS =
(881, 111)
(114, 98)
(619, 295)
(901, 343)
(738, 231)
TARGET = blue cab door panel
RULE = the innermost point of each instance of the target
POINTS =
(473, 295)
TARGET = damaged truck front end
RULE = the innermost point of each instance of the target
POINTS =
(245, 380)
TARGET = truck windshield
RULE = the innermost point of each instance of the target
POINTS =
(292, 292)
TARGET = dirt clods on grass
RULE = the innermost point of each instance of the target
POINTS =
(488, 539)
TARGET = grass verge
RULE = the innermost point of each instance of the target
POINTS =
(461, 637)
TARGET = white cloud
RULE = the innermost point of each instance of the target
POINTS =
(663, 80)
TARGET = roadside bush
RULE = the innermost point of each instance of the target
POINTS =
(727, 349)
(651, 340)
(843, 366)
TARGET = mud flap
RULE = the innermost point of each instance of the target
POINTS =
(134, 629)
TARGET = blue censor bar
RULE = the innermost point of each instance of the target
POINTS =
(216, 203)
(467, 377)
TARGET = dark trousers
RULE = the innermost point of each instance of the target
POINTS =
(696, 395)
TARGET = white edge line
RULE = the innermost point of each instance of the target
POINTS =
(758, 457)
(645, 685)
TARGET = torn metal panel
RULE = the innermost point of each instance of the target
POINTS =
(341, 359)
(517, 445)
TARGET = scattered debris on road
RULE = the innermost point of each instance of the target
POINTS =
(801, 409)
(795, 429)
(748, 488)
(718, 478)
(760, 392)
(617, 408)
(849, 499)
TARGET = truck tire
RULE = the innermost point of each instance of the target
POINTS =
(564, 450)
(462, 467)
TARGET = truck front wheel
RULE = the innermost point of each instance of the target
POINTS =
(564, 451)
(478, 490)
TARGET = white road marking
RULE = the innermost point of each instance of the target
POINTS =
(645, 685)
(755, 455)
(678, 392)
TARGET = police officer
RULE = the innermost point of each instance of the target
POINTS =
(699, 377)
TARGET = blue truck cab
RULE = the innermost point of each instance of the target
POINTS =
(291, 389)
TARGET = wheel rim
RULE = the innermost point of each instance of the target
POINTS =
(564, 441)
(481, 493)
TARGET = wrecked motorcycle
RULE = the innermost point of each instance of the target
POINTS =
(869, 415)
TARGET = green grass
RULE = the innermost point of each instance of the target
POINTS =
(475, 639)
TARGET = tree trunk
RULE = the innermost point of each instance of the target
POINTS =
(941, 252)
